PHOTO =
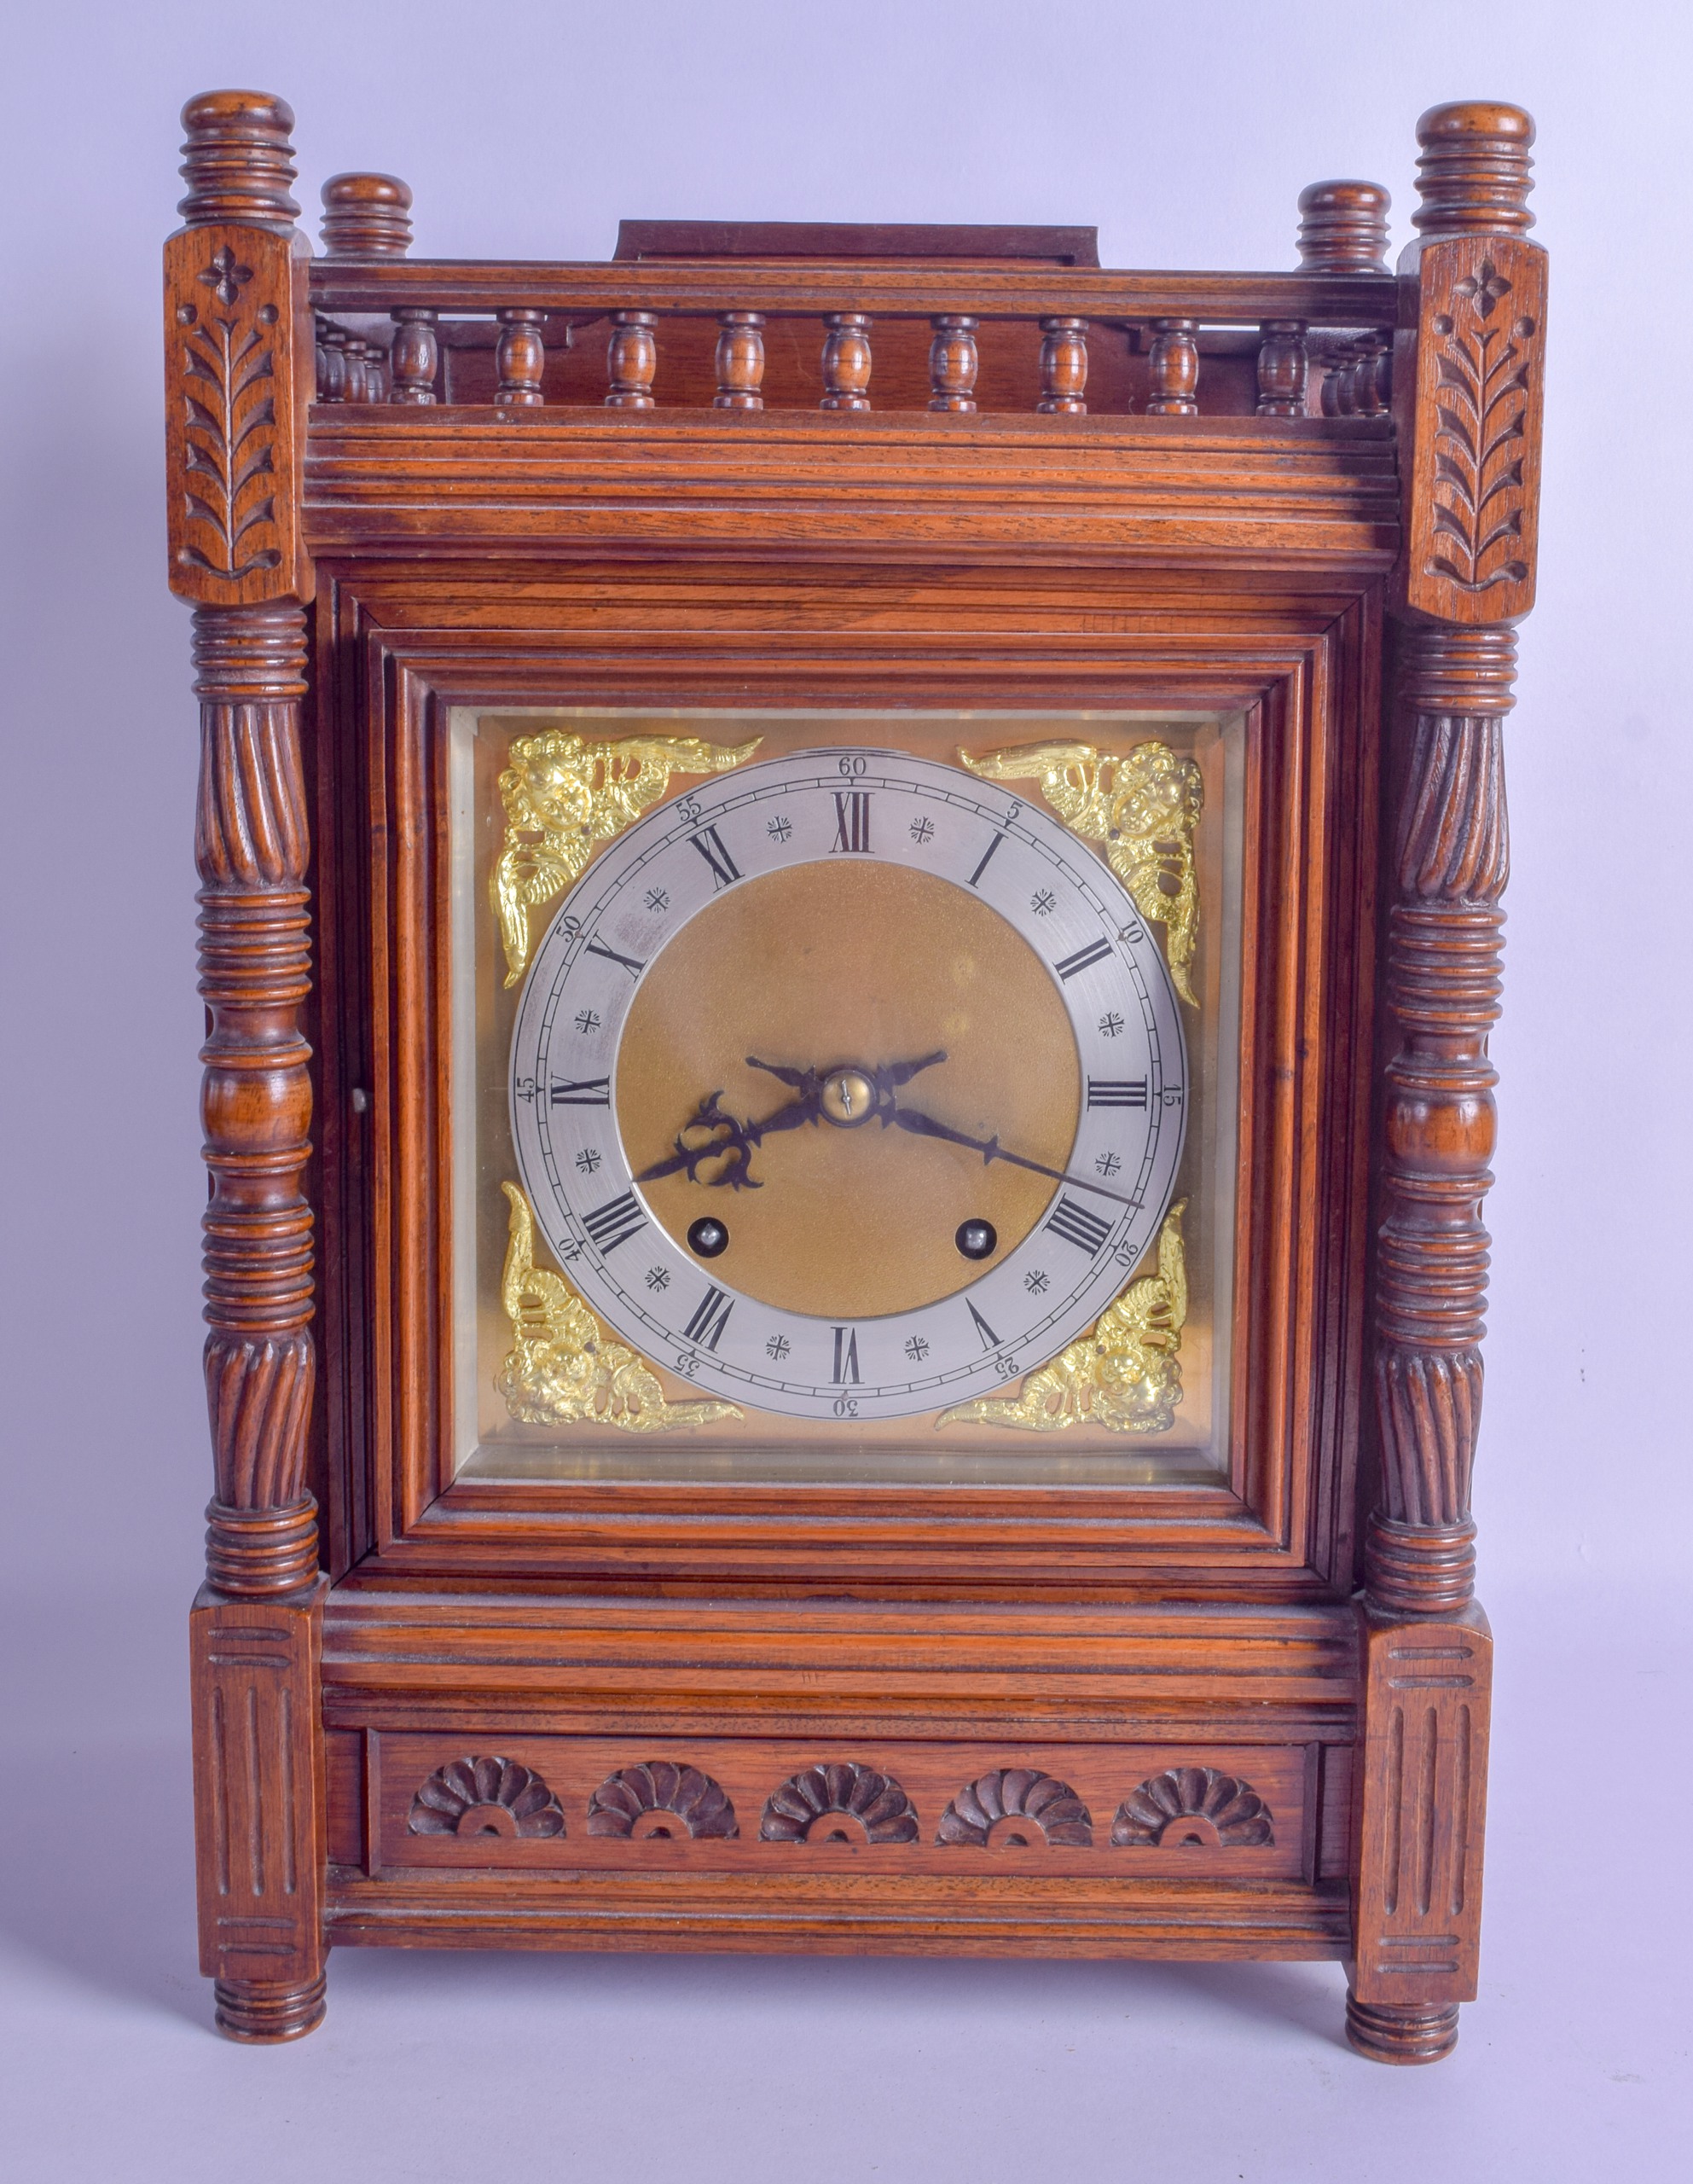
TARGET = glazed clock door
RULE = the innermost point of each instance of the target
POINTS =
(844, 1096)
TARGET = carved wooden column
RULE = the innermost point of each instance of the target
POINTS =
(1467, 378)
(239, 354)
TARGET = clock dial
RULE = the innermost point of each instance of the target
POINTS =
(849, 1086)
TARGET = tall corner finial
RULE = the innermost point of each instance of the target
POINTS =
(1473, 175)
(366, 216)
(238, 161)
(1343, 227)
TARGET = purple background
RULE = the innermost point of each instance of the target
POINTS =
(1186, 133)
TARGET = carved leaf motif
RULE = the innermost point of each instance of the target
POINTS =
(1196, 1807)
(1481, 401)
(1124, 1373)
(561, 1370)
(1016, 1806)
(229, 370)
(843, 1801)
(486, 1797)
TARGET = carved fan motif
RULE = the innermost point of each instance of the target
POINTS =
(1016, 1808)
(486, 1797)
(1194, 1808)
(659, 1799)
(842, 1803)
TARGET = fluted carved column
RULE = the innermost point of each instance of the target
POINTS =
(1452, 860)
(240, 371)
(250, 845)
(1466, 397)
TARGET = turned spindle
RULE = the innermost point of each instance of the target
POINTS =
(846, 361)
(521, 356)
(740, 361)
(416, 356)
(1064, 367)
(1174, 364)
(366, 216)
(331, 363)
(632, 360)
(951, 364)
(1284, 368)
(1343, 227)
(358, 379)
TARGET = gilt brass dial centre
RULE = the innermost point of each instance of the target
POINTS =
(848, 1097)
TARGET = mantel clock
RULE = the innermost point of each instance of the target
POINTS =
(850, 915)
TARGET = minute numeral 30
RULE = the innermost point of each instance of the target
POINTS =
(852, 820)
(1116, 1092)
(585, 1092)
(724, 870)
(1084, 959)
(1079, 1225)
(710, 1317)
(614, 1223)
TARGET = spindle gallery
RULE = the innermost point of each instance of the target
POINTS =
(849, 919)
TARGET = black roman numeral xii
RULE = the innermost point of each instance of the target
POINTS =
(852, 819)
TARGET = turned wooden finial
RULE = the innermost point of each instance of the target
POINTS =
(1343, 227)
(1473, 175)
(238, 161)
(366, 216)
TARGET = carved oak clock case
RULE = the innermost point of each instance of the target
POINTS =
(850, 913)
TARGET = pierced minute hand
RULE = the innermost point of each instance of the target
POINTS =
(922, 1125)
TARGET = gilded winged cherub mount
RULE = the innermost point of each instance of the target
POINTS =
(1141, 808)
(1124, 1373)
(564, 795)
(561, 1370)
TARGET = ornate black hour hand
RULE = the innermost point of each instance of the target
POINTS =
(718, 1135)
(847, 1096)
(922, 1125)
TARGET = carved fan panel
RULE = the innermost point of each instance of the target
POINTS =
(841, 1803)
(1195, 1807)
(1016, 1808)
(486, 1797)
(658, 1799)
